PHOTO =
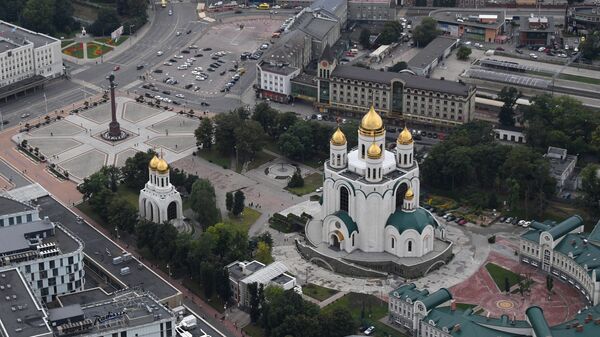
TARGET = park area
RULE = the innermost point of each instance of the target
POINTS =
(109, 41)
(95, 50)
(75, 50)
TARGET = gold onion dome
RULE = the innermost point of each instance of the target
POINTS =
(338, 137)
(374, 151)
(153, 163)
(371, 124)
(409, 194)
(162, 166)
(405, 137)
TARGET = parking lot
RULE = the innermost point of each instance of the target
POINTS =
(206, 66)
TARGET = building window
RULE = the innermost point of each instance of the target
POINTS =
(410, 246)
(393, 243)
(344, 195)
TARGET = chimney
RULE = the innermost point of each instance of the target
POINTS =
(453, 305)
(579, 328)
(456, 328)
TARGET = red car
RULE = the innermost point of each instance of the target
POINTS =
(462, 222)
(499, 48)
(116, 68)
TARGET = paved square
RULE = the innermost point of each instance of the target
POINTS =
(72, 143)
(99, 114)
(136, 112)
(85, 164)
(176, 124)
(60, 128)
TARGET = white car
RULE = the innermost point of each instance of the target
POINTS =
(159, 53)
(180, 96)
(369, 330)
(468, 43)
(541, 49)
(25, 115)
(178, 56)
(533, 56)
(198, 69)
(168, 63)
(200, 78)
(319, 190)
(170, 12)
(158, 97)
(178, 33)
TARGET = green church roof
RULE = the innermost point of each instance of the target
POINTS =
(566, 226)
(347, 220)
(416, 220)
(436, 298)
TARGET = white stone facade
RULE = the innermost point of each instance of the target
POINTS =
(159, 201)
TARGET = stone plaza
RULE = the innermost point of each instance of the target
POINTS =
(74, 144)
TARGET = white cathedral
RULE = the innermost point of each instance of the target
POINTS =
(159, 200)
(371, 195)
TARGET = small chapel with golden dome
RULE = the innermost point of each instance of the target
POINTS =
(371, 195)
(159, 200)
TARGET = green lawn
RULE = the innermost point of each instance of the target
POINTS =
(311, 183)
(260, 159)
(577, 78)
(215, 157)
(95, 50)
(247, 218)
(317, 292)
(375, 309)
(498, 274)
(254, 330)
(130, 195)
(65, 43)
(75, 50)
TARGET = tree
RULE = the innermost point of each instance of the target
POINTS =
(205, 134)
(590, 185)
(590, 48)
(506, 285)
(284, 122)
(508, 95)
(399, 66)
(463, 53)
(203, 202)
(12, 10)
(337, 322)
(225, 125)
(254, 302)
(63, 16)
(390, 33)
(38, 16)
(122, 214)
(266, 117)
(113, 176)
(207, 271)
(290, 146)
(296, 180)
(263, 252)
(238, 203)
(425, 32)
(229, 201)
(228, 242)
(106, 22)
(222, 285)
(364, 37)
(135, 170)
(250, 139)
(93, 185)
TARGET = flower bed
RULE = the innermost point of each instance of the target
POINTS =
(95, 50)
(75, 50)
(109, 41)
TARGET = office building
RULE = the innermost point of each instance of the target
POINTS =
(371, 10)
(562, 165)
(537, 31)
(475, 26)
(27, 59)
(48, 255)
(433, 54)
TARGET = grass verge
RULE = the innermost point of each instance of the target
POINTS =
(317, 292)
(260, 159)
(95, 50)
(65, 43)
(198, 290)
(246, 219)
(311, 183)
(253, 330)
(577, 78)
(215, 157)
(499, 274)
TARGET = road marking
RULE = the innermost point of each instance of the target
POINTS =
(77, 71)
(132, 84)
(87, 84)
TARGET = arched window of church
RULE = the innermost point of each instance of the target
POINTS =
(381, 147)
(410, 245)
(369, 172)
(379, 174)
(353, 240)
(405, 159)
(338, 159)
(362, 151)
(344, 198)
(393, 243)
(410, 157)
(400, 192)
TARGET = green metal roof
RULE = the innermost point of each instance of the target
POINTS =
(347, 220)
(532, 235)
(445, 317)
(437, 298)
(409, 291)
(582, 251)
(595, 234)
(566, 226)
(590, 329)
(538, 322)
(541, 226)
(416, 220)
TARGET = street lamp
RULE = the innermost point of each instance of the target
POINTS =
(130, 29)
(46, 103)
(169, 269)
(1, 121)
(117, 231)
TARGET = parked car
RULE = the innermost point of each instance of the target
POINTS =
(462, 222)
(533, 56)
(116, 68)
(140, 67)
(369, 331)
(501, 219)
(499, 49)
(508, 220)
(204, 104)
(159, 53)
(180, 96)
(166, 92)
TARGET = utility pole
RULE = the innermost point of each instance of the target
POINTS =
(46, 103)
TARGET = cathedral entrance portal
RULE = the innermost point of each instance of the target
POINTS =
(335, 242)
(172, 211)
(400, 192)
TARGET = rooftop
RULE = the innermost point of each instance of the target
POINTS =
(411, 81)
(431, 52)
(267, 274)
(538, 24)
(329, 5)
(409, 291)
(470, 18)
(11, 206)
(279, 68)
(20, 36)
(313, 25)
(21, 316)
(239, 270)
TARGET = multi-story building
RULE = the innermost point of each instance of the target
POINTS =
(476, 26)
(24, 55)
(371, 10)
(47, 254)
(320, 26)
(393, 95)
(584, 17)
(242, 274)
(562, 165)
(433, 54)
(335, 9)
(537, 31)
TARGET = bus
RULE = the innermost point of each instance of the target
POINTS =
(264, 6)
(163, 3)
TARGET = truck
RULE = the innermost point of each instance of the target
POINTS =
(489, 52)
(125, 271)
(188, 322)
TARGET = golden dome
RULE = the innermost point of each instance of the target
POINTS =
(405, 137)
(409, 194)
(162, 166)
(338, 137)
(371, 124)
(374, 151)
(153, 163)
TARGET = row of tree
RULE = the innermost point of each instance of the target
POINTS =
(131, 14)
(285, 313)
(51, 17)
(470, 160)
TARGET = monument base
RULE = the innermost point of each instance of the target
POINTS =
(107, 135)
